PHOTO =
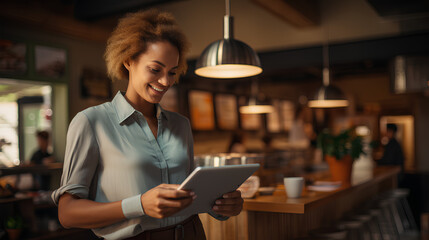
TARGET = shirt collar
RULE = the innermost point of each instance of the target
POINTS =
(124, 109)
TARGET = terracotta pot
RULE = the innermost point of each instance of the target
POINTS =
(341, 170)
(13, 234)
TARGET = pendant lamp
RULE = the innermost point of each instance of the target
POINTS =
(255, 105)
(327, 96)
(228, 57)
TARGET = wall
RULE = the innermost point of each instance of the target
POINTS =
(422, 135)
(202, 20)
(341, 20)
(370, 90)
(80, 54)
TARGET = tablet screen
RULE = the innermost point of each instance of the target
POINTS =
(210, 183)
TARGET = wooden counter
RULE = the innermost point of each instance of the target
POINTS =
(278, 217)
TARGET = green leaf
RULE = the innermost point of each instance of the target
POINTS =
(343, 144)
(14, 222)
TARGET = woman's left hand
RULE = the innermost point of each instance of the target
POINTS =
(229, 205)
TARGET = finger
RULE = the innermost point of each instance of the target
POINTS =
(170, 211)
(234, 194)
(167, 207)
(168, 186)
(227, 207)
(229, 201)
(175, 203)
(226, 213)
(173, 193)
(166, 211)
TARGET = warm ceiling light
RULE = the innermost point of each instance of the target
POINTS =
(228, 71)
(255, 105)
(256, 108)
(328, 96)
(228, 58)
(327, 103)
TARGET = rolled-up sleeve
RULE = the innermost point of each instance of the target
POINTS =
(81, 159)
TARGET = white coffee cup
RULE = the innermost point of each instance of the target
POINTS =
(293, 186)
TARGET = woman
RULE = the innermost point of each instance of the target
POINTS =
(125, 158)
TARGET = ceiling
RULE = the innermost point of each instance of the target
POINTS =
(93, 20)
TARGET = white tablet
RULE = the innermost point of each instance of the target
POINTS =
(210, 183)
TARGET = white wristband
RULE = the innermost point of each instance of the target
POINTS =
(132, 207)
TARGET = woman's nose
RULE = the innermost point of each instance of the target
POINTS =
(164, 80)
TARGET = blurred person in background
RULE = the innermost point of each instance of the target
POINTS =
(392, 154)
(42, 157)
(301, 132)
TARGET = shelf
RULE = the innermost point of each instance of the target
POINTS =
(48, 168)
(14, 199)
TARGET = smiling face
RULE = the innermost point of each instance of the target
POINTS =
(151, 74)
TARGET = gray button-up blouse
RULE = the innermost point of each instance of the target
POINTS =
(111, 154)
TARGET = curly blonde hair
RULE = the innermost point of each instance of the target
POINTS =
(134, 32)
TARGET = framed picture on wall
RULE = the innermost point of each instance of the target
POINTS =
(226, 111)
(50, 62)
(251, 121)
(273, 119)
(201, 110)
(95, 84)
(13, 57)
(287, 114)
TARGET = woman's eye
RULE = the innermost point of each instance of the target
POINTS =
(171, 73)
(155, 70)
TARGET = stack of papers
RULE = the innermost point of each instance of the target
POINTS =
(324, 186)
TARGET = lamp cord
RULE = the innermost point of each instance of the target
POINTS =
(228, 22)
(325, 56)
(254, 88)
(228, 7)
(326, 72)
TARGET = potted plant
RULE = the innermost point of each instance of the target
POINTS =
(340, 151)
(13, 226)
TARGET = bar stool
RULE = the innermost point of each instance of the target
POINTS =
(403, 218)
(407, 220)
(371, 229)
(371, 215)
(354, 229)
(388, 232)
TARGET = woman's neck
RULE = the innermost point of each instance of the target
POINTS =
(141, 105)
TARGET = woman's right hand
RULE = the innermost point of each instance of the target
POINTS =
(164, 200)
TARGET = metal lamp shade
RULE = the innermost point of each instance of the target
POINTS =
(228, 58)
(328, 96)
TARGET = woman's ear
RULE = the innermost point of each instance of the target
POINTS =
(127, 64)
